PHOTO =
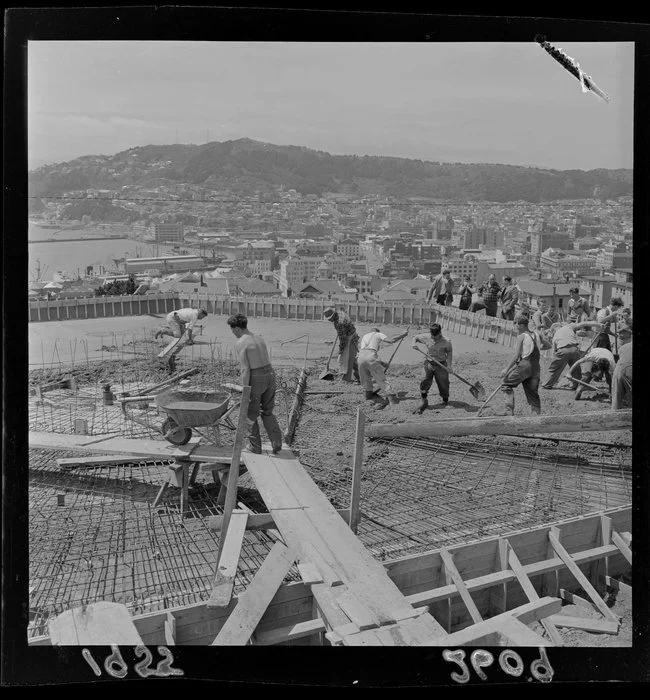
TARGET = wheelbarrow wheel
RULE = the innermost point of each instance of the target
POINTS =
(174, 433)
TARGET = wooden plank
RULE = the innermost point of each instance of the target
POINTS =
(258, 521)
(600, 568)
(224, 579)
(574, 599)
(525, 614)
(155, 449)
(620, 543)
(233, 473)
(289, 633)
(595, 421)
(329, 609)
(170, 630)
(460, 585)
(519, 635)
(90, 462)
(581, 578)
(618, 585)
(172, 345)
(588, 625)
(499, 593)
(100, 623)
(309, 573)
(357, 466)
(531, 594)
(356, 611)
(242, 622)
(327, 572)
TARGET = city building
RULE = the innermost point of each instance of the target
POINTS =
(597, 288)
(169, 232)
(166, 264)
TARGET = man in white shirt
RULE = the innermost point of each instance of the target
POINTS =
(577, 306)
(371, 367)
(597, 364)
(441, 290)
(524, 368)
(181, 321)
(566, 350)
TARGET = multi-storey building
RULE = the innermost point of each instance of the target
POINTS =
(169, 232)
(348, 248)
(542, 240)
(557, 265)
(597, 288)
(459, 267)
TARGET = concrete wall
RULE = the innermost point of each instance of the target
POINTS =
(102, 307)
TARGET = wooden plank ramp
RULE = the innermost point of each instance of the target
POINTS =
(316, 532)
(100, 623)
(224, 579)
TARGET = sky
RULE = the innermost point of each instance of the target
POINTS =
(455, 102)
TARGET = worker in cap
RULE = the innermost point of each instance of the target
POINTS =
(622, 377)
(348, 344)
(524, 368)
(372, 369)
(439, 348)
(509, 297)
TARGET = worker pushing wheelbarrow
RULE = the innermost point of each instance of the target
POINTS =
(192, 410)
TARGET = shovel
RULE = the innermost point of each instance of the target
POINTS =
(327, 375)
(476, 390)
(386, 365)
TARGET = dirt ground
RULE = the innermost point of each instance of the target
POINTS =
(475, 360)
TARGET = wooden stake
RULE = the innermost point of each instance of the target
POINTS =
(233, 472)
(294, 414)
(357, 465)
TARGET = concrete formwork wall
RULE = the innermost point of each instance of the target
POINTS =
(102, 307)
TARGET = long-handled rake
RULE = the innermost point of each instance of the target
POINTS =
(476, 390)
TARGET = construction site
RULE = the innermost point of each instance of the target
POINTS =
(373, 526)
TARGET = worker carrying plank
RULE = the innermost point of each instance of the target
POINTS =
(256, 372)
(181, 322)
(371, 368)
(524, 368)
(439, 348)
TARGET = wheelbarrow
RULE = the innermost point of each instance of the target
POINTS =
(189, 410)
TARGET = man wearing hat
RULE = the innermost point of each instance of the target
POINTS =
(440, 349)
(622, 377)
(348, 343)
(509, 297)
(524, 368)
(442, 289)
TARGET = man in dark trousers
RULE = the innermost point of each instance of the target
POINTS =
(488, 293)
(440, 349)
(348, 344)
(566, 350)
(442, 289)
(509, 297)
(256, 372)
(466, 291)
(524, 368)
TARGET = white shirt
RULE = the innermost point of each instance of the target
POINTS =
(188, 316)
(600, 354)
(371, 341)
(528, 345)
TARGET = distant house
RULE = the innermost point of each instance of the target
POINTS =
(534, 291)
(320, 288)
(413, 289)
(252, 286)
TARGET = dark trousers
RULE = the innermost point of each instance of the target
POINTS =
(527, 374)
(263, 402)
(509, 315)
(603, 341)
(441, 299)
(489, 306)
(441, 376)
(561, 358)
(465, 303)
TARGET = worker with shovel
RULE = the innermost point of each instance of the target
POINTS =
(597, 364)
(348, 343)
(181, 322)
(524, 368)
(439, 348)
(372, 368)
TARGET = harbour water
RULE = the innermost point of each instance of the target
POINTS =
(75, 256)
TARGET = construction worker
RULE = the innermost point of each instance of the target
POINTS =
(256, 372)
(439, 348)
(578, 308)
(524, 368)
(609, 316)
(442, 289)
(597, 364)
(180, 322)
(566, 349)
(622, 377)
(466, 291)
(348, 344)
(371, 368)
(509, 297)
(488, 294)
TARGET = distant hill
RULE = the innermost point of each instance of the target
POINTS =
(245, 165)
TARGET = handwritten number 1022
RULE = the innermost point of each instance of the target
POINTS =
(116, 666)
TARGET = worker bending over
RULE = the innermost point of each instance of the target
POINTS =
(181, 321)
(566, 349)
(440, 349)
(524, 368)
(598, 363)
(622, 378)
(256, 372)
(348, 343)
(371, 368)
